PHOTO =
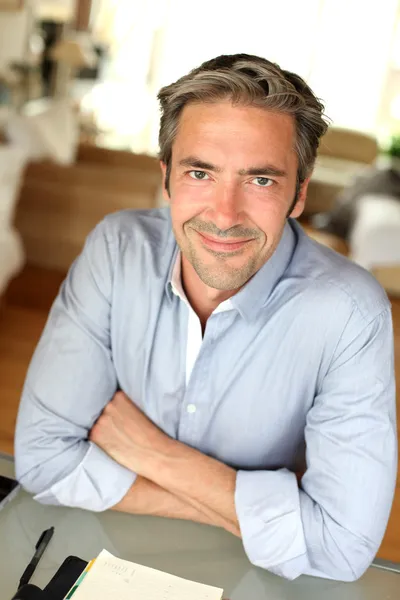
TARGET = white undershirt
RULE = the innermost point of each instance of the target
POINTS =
(194, 334)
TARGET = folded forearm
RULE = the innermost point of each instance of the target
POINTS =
(203, 482)
(147, 498)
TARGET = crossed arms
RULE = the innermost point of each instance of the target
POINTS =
(174, 479)
(331, 526)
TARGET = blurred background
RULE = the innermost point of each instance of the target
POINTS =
(79, 124)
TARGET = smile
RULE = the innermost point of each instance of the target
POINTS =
(226, 246)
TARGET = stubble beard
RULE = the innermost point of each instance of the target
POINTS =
(220, 275)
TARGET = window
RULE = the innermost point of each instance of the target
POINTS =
(341, 47)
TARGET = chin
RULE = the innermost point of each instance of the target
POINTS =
(218, 277)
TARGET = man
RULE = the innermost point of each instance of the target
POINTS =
(194, 353)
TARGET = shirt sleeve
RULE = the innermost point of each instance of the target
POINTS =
(69, 381)
(332, 526)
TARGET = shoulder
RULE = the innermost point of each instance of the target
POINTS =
(132, 244)
(133, 234)
(141, 225)
(336, 281)
(130, 239)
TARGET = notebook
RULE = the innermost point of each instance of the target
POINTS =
(111, 578)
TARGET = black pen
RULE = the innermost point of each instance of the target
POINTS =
(40, 548)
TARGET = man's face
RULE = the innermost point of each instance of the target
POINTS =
(232, 182)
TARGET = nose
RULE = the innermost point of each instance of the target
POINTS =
(226, 207)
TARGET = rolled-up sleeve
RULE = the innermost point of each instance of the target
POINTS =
(69, 381)
(332, 525)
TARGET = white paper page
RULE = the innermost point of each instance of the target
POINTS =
(112, 578)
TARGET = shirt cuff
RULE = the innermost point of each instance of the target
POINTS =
(268, 509)
(97, 483)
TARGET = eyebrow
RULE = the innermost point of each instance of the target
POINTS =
(197, 163)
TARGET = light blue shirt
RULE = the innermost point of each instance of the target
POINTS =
(299, 372)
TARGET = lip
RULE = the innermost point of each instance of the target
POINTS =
(222, 246)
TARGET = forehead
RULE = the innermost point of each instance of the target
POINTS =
(247, 131)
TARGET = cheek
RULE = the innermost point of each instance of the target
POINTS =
(267, 213)
(188, 201)
(187, 194)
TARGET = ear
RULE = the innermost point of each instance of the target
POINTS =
(165, 194)
(301, 200)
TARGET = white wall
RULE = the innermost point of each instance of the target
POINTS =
(57, 10)
(14, 27)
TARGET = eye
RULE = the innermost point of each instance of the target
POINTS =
(263, 181)
(198, 175)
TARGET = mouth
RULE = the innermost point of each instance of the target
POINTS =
(226, 246)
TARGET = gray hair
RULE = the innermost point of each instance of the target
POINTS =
(245, 80)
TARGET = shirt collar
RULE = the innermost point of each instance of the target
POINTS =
(176, 277)
(176, 286)
(172, 273)
(254, 295)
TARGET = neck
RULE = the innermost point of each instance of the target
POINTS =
(203, 299)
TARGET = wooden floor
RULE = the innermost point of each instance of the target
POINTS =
(23, 314)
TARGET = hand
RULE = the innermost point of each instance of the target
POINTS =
(128, 436)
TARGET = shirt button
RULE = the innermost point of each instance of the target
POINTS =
(191, 408)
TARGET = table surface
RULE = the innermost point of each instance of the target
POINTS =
(198, 552)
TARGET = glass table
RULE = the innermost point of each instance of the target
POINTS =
(189, 550)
